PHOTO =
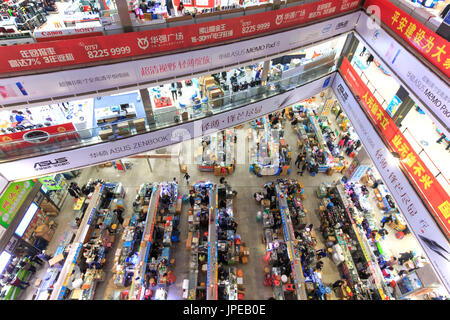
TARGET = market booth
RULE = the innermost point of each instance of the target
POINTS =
(269, 154)
(217, 153)
(151, 276)
(282, 212)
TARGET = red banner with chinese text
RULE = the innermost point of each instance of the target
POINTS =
(55, 54)
(425, 41)
(417, 171)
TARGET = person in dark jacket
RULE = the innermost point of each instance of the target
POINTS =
(298, 161)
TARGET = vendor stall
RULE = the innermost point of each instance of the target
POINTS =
(217, 153)
(268, 152)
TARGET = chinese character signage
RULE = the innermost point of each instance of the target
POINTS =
(49, 183)
(54, 54)
(12, 199)
(417, 171)
(429, 44)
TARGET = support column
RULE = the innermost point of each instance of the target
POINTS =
(348, 51)
(145, 96)
(124, 15)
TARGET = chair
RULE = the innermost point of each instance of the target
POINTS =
(289, 287)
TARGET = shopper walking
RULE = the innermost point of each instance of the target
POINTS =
(339, 283)
(16, 282)
(173, 88)
(298, 161)
(72, 192)
(303, 168)
(170, 8)
(76, 188)
(338, 113)
(442, 137)
(370, 59)
(405, 256)
(180, 10)
(192, 199)
(187, 176)
(362, 51)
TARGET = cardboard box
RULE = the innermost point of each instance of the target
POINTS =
(178, 207)
(59, 259)
(244, 260)
(189, 241)
(183, 168)
(328, 296)
(265, 202)
(309, 287)
(38, 282)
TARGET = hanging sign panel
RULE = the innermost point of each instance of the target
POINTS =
(425, 41)
(420, 175)
(12, 199)
(432, 240)
(38, 56)
(422, 82)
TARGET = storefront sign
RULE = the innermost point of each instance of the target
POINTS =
(67, 33)
(49, 183)
(421, 223)
(112, 47)
(94, 154)
(78, 81)
(45, 135)
(425, 41)
(12, 199)
(421, 82)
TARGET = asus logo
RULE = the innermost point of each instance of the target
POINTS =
(49, 163)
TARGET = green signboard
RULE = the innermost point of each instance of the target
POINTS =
(49, 183)
(12, 199)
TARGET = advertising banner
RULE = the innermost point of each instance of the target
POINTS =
(45, 135)
(102, 152)
(393, 105)
(426, 183)
(54, 54)
(49, 183)
(422, 82)
(425, 41)
(421, 223)
(12, 199)
(78, 81)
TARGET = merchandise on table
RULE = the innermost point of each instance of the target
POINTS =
(152, 276)
(268, 152)
(285, 248)
(217, 153)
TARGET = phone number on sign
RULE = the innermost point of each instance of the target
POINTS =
(258, 27)
(101, 53)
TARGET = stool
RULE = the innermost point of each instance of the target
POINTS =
(240, 296)
(239, 273)
(266, 270)
(172, 262)
(399, 235)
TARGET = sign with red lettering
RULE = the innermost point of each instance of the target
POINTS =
(67, 33)
(417, 171)
(112, 47)
(46, 135)
(425, 41)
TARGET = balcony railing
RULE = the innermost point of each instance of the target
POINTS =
(40, 145)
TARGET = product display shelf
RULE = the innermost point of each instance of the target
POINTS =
(75, 248)
(264, 148)
(211, 283)
(137, 289)
(299, 279)
(348, 266)
(366, 249)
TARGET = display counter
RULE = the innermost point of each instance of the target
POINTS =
(217, 153)
(268, 153)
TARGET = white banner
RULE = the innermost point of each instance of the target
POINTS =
(422, 82)
(419, 219)
(102, 152)
(3, 184)
(66, 31)
(78, 81)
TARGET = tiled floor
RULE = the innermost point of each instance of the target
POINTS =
(245, 183)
